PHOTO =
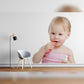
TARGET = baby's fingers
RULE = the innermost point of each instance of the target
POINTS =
(53, 43)
(50, 46)
(64, 62)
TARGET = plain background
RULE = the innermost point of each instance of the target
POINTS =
(29, 20)
(37, 5)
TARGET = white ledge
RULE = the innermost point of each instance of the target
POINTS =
(46, 65)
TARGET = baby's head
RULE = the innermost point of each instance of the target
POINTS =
(59, 30)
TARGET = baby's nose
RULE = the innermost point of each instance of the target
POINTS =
(56, 36)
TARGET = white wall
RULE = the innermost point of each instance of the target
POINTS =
(29, 19)
(37, 5)
(31, 30)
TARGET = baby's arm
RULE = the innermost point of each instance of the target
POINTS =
(38, 56)
(70, 60)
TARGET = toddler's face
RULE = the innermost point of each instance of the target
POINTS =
(58, 34)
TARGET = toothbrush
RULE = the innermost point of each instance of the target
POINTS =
(49, 50)
(66, 58)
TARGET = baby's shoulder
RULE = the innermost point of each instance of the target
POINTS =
(67, 49)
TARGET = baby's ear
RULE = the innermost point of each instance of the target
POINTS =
(68, 34)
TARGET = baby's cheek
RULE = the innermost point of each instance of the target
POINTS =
(51, 38)
(63, 40)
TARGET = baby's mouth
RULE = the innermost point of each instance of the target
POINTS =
(56, 41)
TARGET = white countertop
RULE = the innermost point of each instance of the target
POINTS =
(46, 65)
(41, 75)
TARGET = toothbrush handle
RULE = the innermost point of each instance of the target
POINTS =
(50, 50)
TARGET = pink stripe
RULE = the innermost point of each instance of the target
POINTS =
(53, 58)
(47, 60)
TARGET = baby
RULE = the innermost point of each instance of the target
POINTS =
(54, 51)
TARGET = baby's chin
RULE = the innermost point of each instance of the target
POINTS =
(57, 46)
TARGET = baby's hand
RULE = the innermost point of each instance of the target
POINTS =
(65, 62)
(49, 46)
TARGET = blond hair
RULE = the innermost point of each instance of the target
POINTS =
(63, 20)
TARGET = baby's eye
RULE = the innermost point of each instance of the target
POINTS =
(60, 34)
(53, 33)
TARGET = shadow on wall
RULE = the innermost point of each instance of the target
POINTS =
(4, 57)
